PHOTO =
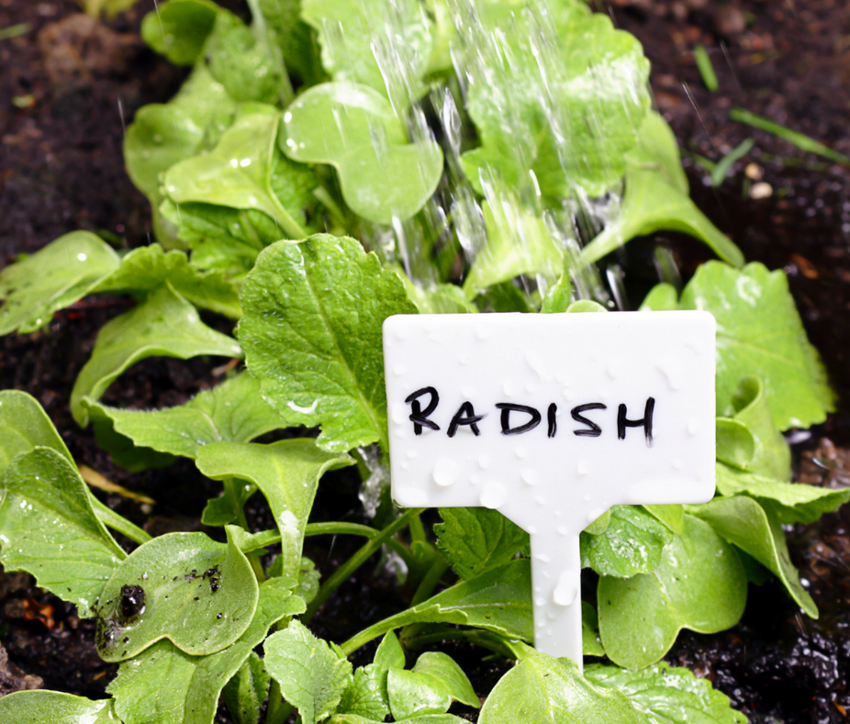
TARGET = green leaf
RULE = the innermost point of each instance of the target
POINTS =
(735, 443)
(382, 175)
(655, 199)
(759, 332)
(583, 306)
(441, 299)
(366, 694)
(53, 707)
(412, 695)
(504, 297)
(596, 96)
(390, 654)
(199, 594)
(793, 502)
(308, 579)
(296, 40)
(518, 242)
(287, 472)
(600, 524)
(53, 278)
(424, 719)
(311, 328)
(237, 172)
(178, 29)
(672, 515)
(247, 691)
(24, 425)
(591, 644)
(234, 411)
(772, 455)
(348, 31)
(164, 685)
(476, 540)
(700, 585)
(756, 530)
(661, 298)
(632, 544)
(542, 689)
(146, 268)
(558, 296)
(666, 695)
(49, 528)
(444, 670)
(311, 675)
(163, 325)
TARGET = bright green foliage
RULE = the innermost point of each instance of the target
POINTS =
(544, 689)
(476, 540)
(661, 298)
(148, 267)
(164, 685)
(345, 29)
(663, 694)
(700, 585)
(246, 692)
(53, 278)
(736, 445)
(49, 528)
(53, 707)
(23, 426)
(772, 455)
(287, 472)
(178, 29)
(366, 694)
(558, 296)
(424, 719)
(382, 175)
(294, 39)
(656, 199)
(671, 515)
(759, 332)
(199, 594)
(758, 531)
(238, 173)
(443, 669)
(600, 524)
(390, 654)
(793, 502)
(411, 695)
(312, 676)
(233, 412)
(632, 543)
(311, 328)
(591, 644)
(441, 299)
(164, 325)
(596, 97)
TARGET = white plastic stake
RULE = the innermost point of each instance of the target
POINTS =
(551, 419)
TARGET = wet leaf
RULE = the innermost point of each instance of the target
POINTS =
(164, 685)
(53, 278)
(412, 694)
(311, 675)
(381, 174)
(366, 694)
(699, 585)
(591, 644)
(735, 443)
(390, 654)
(449, 676)
(296, 40)
(247, 691)
(164, 325)
(666, 695)
(793, 502)
(441, 299)
(49, 528)
(541, 688)
(656, 200)
(24, 425)
(178, 29)
(759, 332)
(53, 707)
(632, 543)
(311, 328)
(772, 455)
(237, 172)
(234, 411)
(287, 473)
(661, 298)
(146, 268)
(671, 515)
(424, 719)
(758, 531)
(199, 594)
(476, 540)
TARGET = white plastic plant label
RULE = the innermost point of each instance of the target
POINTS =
(551, 419)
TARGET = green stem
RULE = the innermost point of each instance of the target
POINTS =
(358, 559)
(417, 530)
(486, 639)
(231, 490)
(430, 581)
(281, 712)
(273, 52)
(118, 522)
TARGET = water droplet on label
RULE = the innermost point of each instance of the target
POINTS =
(398, 370)
(614, 369)
(521, 452)
(582, 467)
(568, 394)
(445, 472)
(529, 477)
(563, 530)
(693, 426)
(540, 500)
(463, 359)
(530, 387)
(566, 591)
(402, 333)
(509, 388)
(482, 333)
(474, 479)
(412, 454)
(411, 498)
(493, 495)
(399, 434)
(399, 413)
(468, 392)
(539, 601)
(543, 558)
(483, 461)
(673, 372)
(676, 463)
(594, 514)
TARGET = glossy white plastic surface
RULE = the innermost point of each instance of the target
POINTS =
(577, 440)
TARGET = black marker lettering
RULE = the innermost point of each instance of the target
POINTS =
(420, 416)
(507, 408)
(645, 423)
(593, 430)
(465, 416)
(550, 418)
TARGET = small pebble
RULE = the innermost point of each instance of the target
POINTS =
(730, 20)
(761, 190)
(754, 171)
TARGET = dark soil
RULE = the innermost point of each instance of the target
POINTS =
(67, 87)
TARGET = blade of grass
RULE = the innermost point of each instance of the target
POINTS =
(724, 165)
(706, 69)
(13, 31)
(800, 140)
